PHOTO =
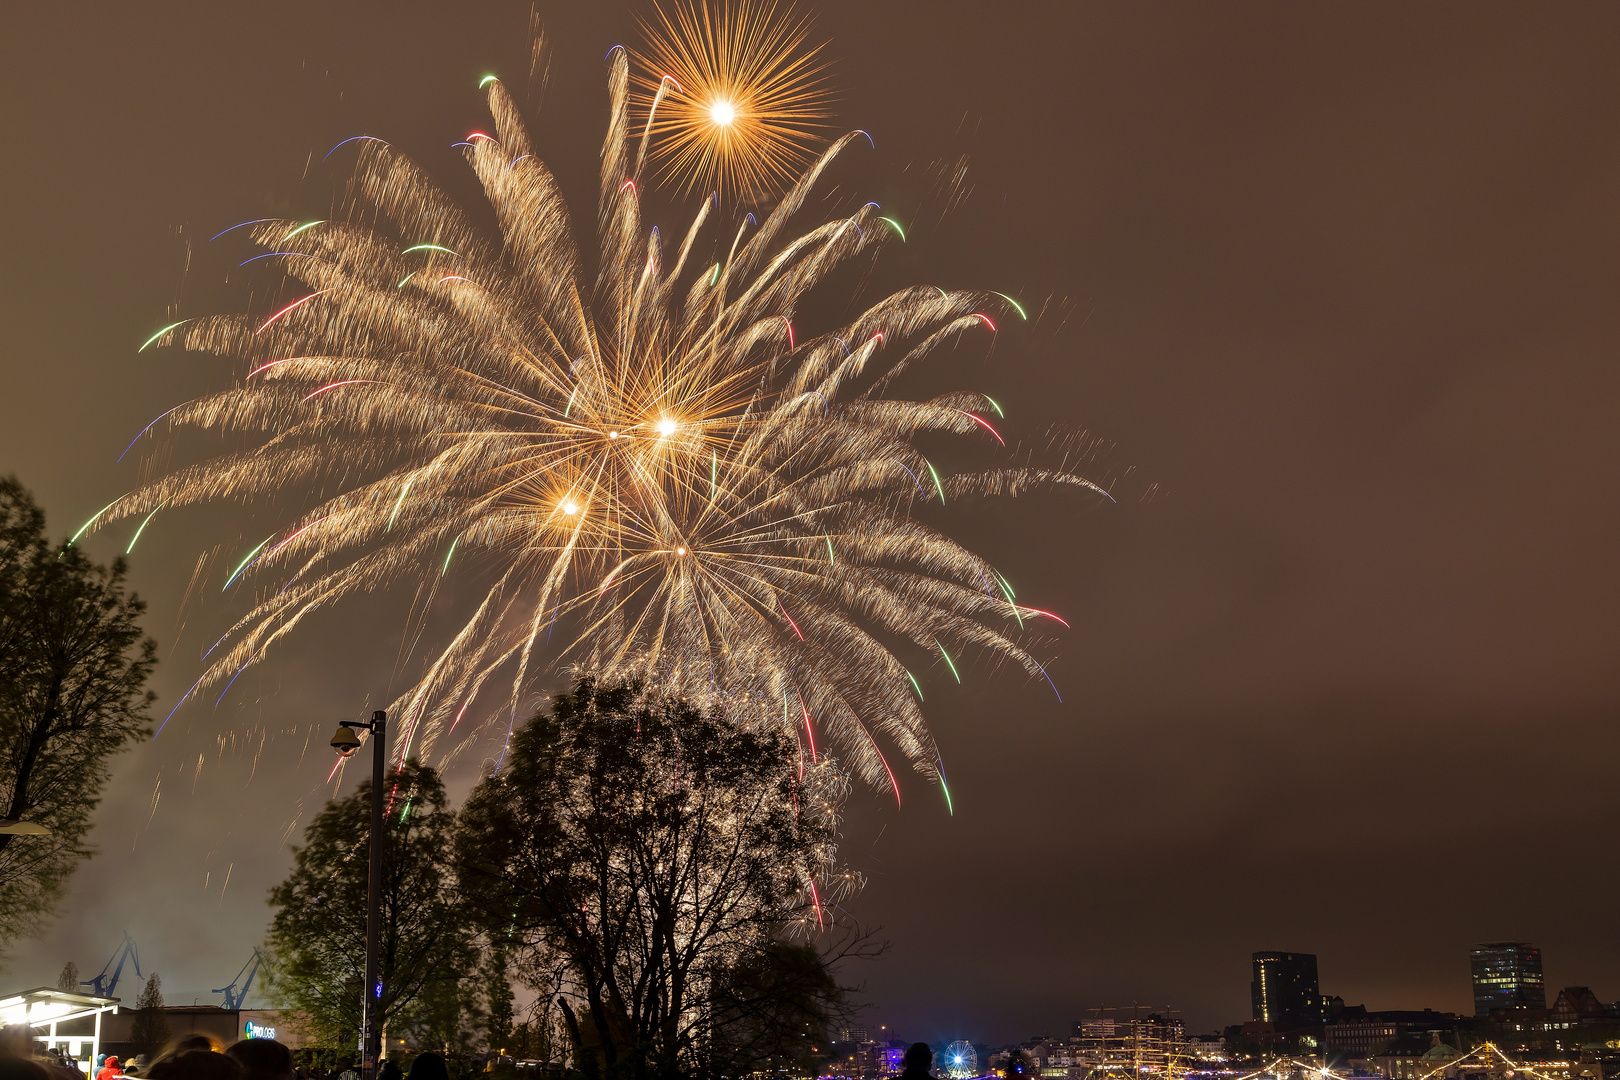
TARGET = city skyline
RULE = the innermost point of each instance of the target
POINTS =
(1332, 287)
(121, 974)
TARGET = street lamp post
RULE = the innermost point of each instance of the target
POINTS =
(346, 742)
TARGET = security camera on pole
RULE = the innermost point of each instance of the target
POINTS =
(346, 742)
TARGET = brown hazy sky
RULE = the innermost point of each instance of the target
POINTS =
(1340, 284)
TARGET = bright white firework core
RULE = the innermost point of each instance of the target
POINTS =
(666, 426)
(722, 112)
(570, 508)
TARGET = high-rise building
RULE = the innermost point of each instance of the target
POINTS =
(1284, 989)
(1507, 975)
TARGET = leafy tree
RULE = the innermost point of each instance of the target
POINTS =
(68, 981)
(646, 861)
(150, 1031)
(317, 940)
(774, 1011)
(496, 972)
(538, 1037)
(448, 1016)
(73, 694)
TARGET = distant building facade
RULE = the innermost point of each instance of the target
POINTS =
(1415, 1054)
(1577, 1005)
(223, 1025)
(857, 1054)
(886, 1059)
(1357, 1033)
(1284, 991)
(1507, 975)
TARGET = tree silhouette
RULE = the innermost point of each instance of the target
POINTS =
(317, 937)
(75, 668)
(646, 861)
(151, 1028)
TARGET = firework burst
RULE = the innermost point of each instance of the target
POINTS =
(648, 461)
(735, 99)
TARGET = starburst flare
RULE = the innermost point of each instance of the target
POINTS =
(735, 98)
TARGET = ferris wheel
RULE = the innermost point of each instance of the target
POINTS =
(961, 1061)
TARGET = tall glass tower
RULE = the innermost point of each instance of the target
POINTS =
(1507, 975)
(1284, 990)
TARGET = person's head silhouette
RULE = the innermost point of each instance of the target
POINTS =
(918, 1060)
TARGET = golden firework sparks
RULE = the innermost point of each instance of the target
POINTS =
(736, 98)
(648, 461)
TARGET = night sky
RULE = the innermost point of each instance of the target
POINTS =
(1335, 285)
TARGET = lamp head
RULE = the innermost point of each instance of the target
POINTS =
(345, 742)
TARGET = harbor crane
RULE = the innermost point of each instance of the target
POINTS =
(234, 997)
(102, 985)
